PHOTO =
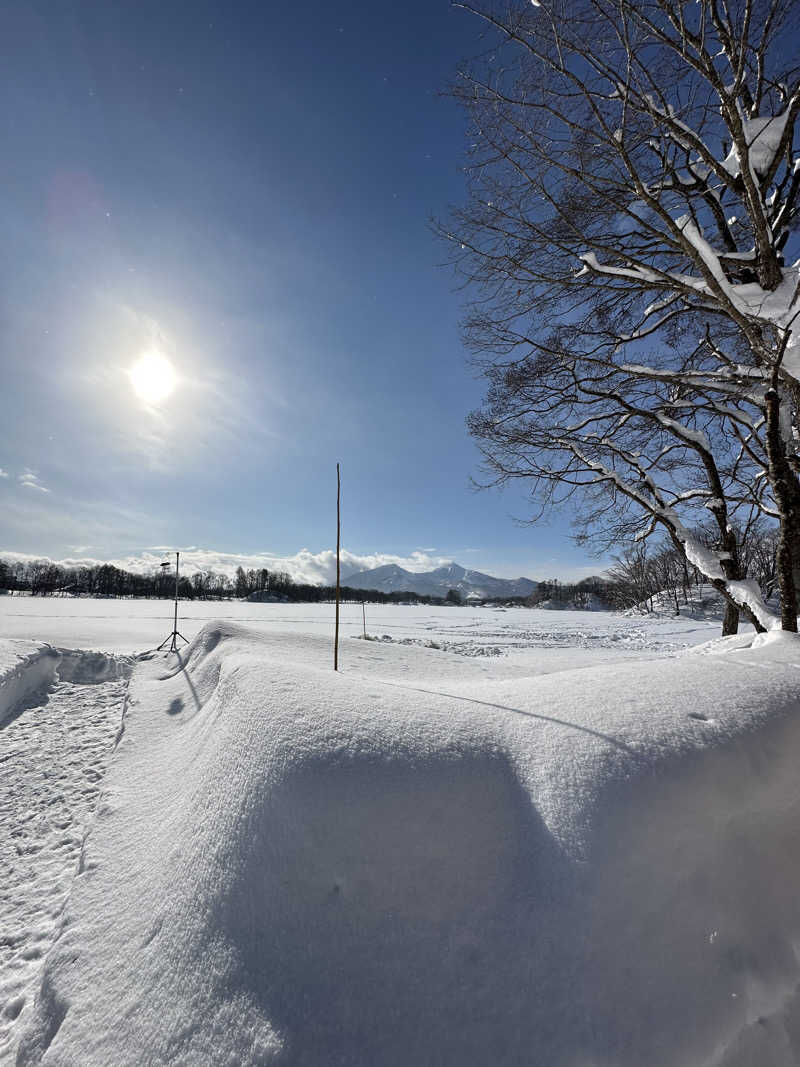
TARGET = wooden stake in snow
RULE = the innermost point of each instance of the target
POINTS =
(364, 618)
(338, 542)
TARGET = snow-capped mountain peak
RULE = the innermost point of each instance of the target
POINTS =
(394, 579)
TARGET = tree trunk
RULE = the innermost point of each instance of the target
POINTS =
(782, 480)
(730, 563)
(786, 581)
(730, 624)
(795, 542)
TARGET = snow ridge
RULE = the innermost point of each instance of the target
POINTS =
(25, 667)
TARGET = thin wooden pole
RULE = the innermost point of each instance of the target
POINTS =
(338, 573)
(364, 618)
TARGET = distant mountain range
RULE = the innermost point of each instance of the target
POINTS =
(394, 579)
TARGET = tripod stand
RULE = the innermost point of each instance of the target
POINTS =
(173, 637)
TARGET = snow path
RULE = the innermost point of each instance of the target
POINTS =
(53, 754)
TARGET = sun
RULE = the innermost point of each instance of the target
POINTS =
(153, 377)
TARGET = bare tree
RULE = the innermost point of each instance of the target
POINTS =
(567, 427)
(631, 579)
(633, 188)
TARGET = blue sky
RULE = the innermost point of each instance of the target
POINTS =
(245, 188)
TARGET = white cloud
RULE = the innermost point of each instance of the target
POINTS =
(316, 568)
(304, 566)
(3, 474)
(30, 480)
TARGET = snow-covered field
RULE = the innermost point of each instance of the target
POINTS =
(569, 638)
(495, 837)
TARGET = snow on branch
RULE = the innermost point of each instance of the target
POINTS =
(764, 137)
(743, 592)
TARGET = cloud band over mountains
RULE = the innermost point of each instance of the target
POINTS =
(317, 568)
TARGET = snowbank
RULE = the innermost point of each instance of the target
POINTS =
(25, 667)
(702, 602)
(29, 666)
(599, 867)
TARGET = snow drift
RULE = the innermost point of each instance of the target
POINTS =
(599, 867)
(25, 668)
(28, 667)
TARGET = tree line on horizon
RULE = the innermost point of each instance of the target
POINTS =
(42, 577)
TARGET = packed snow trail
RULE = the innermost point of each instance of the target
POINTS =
(54, 748)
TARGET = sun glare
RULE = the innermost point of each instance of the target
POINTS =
(153, 377)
